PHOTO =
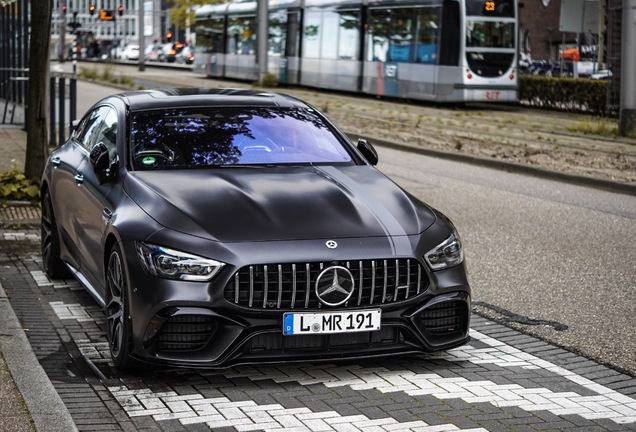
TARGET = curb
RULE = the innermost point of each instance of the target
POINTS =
(42, 400)
(607, 185)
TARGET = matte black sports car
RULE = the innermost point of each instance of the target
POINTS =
(223, 226)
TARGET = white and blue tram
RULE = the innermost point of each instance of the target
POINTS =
(435, 50)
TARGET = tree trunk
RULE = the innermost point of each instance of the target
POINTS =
(37, 119)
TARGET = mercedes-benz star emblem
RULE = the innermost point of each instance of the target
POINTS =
(331, 244)
(334, 286)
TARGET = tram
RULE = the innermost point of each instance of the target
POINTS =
(434, 50)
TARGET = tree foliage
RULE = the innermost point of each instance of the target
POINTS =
(182, 13)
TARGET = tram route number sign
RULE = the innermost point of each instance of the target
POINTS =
(106, 15)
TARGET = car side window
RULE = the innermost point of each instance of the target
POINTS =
(107, 133)
(90, 127)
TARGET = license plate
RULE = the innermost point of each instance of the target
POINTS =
(331, 322)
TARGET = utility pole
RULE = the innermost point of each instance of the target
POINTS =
(628, 70)
(600, 52)
(140, 34)
(262, 20)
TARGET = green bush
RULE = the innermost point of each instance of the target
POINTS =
(566, 94)
(14, 186)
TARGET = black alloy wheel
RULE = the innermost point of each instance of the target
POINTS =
(50, 241)
(117, 312)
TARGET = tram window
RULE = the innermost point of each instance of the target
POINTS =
(210, 36)
(497, 8)
(311, 39)
(330, 22)
(277, 28)
(428, 21)
(379, 21)
(241, 35)
(348, 35)
(400, 49)
(489, 34)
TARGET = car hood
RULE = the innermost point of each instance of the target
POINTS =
(283, 203)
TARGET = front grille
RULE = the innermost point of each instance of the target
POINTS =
(186, 333)
(290, 286)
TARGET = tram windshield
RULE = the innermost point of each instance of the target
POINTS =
(490, 34)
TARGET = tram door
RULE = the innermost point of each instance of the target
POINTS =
(289, 72)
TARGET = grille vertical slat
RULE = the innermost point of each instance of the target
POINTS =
(294, 288)
(397, 279)
(266, 286)
(385, 282)
(251, 286)
(280, 286)
(307, 284)
(237, 284)
(360, 282)
(372, 282)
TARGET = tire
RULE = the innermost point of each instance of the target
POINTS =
(50, 242)
(118, 321)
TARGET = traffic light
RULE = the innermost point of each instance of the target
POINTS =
(64, 9)
(120, 10)
(169, 36)
(91, 9)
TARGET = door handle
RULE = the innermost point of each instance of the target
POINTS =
(79, 178)
(107, 214)
(55, 160)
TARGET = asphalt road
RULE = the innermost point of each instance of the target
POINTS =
(551, 259)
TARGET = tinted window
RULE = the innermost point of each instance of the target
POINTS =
(199, 138)
(90, 127)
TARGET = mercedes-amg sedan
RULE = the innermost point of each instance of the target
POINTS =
(223, 226)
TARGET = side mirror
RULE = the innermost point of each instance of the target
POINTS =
(100, 161)
(368, 151)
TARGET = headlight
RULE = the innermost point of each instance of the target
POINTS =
(172, 264)
(447, 254)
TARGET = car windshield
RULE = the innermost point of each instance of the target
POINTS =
(216, 137)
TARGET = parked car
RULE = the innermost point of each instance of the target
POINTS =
(221, 226)
(602, 74)
(130, 52)
(186, 55)
(154, 52)
(170, 51)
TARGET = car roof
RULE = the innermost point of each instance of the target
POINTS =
(206, 97)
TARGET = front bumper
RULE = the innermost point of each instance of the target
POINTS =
(196, 324)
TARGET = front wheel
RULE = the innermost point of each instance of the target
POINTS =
(50, 241)
(118, 325)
